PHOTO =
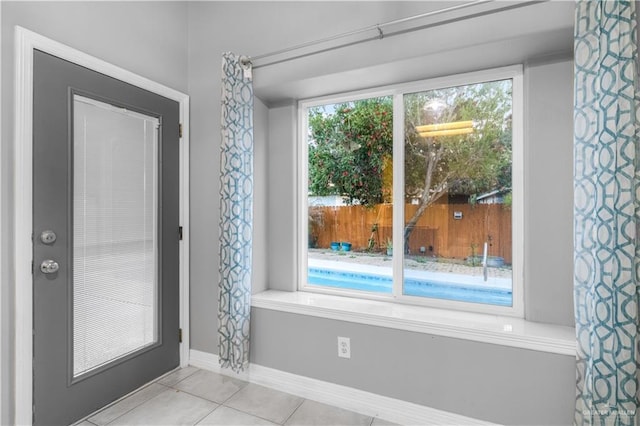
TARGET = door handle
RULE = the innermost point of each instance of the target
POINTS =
(49, 266)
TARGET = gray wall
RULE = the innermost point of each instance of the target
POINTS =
(282, 196)
(485, 381)
(495, 383)
(260, 197)
(549, 192)
(204, 71)
(147, 38)
(180, 44)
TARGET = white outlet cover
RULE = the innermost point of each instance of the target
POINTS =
(344, 347)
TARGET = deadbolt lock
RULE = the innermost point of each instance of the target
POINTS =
(48, 237)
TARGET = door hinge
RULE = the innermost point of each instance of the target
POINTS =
(180, 130)
(32, 268)
(179, 335)
(180, 233)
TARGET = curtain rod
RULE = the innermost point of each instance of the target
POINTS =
(378, 28)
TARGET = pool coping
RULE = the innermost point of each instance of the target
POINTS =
(478, 327)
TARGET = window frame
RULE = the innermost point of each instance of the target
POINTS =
(397, 92)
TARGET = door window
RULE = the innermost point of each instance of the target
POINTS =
(115, 241)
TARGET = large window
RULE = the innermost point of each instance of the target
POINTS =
(414, 193)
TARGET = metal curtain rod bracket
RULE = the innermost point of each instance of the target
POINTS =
(245, 62)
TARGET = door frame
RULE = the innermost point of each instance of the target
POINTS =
(26, 42)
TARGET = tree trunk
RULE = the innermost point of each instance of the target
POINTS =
(427, 198)
(409, 227)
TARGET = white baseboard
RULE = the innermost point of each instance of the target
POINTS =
(204, 360)
(367, 403)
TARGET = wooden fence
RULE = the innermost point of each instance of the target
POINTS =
(437, 233)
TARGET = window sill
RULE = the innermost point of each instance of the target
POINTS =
(493, 329)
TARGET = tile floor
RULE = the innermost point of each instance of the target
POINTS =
(190, 396)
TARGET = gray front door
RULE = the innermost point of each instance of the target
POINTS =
(105, 238)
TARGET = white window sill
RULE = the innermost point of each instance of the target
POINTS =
(497, 330)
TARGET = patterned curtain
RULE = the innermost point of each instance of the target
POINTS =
(236, 208)
(606, 213)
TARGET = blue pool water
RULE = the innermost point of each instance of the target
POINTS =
(412, 286)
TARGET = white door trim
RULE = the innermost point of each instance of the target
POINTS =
(25, 43)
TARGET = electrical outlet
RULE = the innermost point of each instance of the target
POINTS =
(344, 347)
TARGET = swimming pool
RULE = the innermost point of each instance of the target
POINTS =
(413, 286)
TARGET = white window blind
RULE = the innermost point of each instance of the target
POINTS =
(115, 241)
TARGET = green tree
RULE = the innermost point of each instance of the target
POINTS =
(348, 144)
